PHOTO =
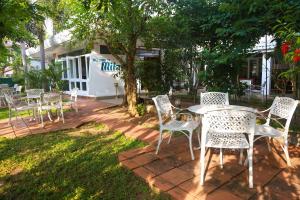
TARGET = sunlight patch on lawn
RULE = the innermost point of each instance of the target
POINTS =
(70, 165)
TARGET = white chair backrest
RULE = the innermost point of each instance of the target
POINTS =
(283, 107)
(7, 90)
(19, 88)
(51, 98)
(34, 92)
(163, 106)
(227, 127)
(214, 98)
(74, 93)
(9, 100)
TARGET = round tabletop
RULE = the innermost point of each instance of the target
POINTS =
(202, 109)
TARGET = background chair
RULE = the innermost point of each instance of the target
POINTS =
(214, 98)
(282, 108)
(230, 129)
(18, 89)
(33, 96)
(15, 106)
(72, 101)
(51, 101)
(167, 121)
(5, 90)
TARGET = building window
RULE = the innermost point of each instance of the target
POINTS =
(84, 86)
(104, 49)
(76, 67)
(65, 71)
(83, 67)
(78, 85)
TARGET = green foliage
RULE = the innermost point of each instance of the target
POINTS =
(158, 76)
(53, 76)
(119, 24)
(73, 164)
(13, 20)
(34, 78)
(18, 78)
(141, 109)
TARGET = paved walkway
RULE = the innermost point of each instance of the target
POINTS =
(173, 171)
(88, 109)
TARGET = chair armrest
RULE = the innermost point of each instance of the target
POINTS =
(272, 118)
(278, 122)
(177, 109)
(260, 112)
(190, 116)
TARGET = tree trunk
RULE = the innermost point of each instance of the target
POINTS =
(124, 103)
(131, 89)
(24, 63)
(42, 55)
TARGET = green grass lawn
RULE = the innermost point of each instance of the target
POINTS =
(4, 113)
(74, 164)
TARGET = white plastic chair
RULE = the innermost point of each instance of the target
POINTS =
(19, 89)
(281, 108)
(166, 110)
(51, 101)
(214, 98)
(72, 101)
(230, 129)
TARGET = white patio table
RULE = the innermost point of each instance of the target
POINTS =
(202, 109)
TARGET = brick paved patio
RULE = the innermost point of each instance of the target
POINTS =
(172, 170)
(88, 109)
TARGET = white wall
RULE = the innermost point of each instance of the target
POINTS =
(101, 83)
(266, 75)
(35, 64)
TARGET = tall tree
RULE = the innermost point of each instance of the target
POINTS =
(47, 9)
(14, 17)
(119, 24)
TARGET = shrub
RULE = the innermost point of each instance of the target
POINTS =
(141, 109)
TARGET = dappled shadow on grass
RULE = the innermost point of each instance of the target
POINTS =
(76, 164)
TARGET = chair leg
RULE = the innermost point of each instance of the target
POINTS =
(41, 115)
(9, 113)
(76, 107)
(241, 156)
(202, 164)
(221, 158)
(159, 141)
(171, 134)
(250, 160)
(198, 135)
(48, 111)
(268, 143)
(62, 114)
(286, 152)
(191, 145)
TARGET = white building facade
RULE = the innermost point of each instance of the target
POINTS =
(93, 72)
